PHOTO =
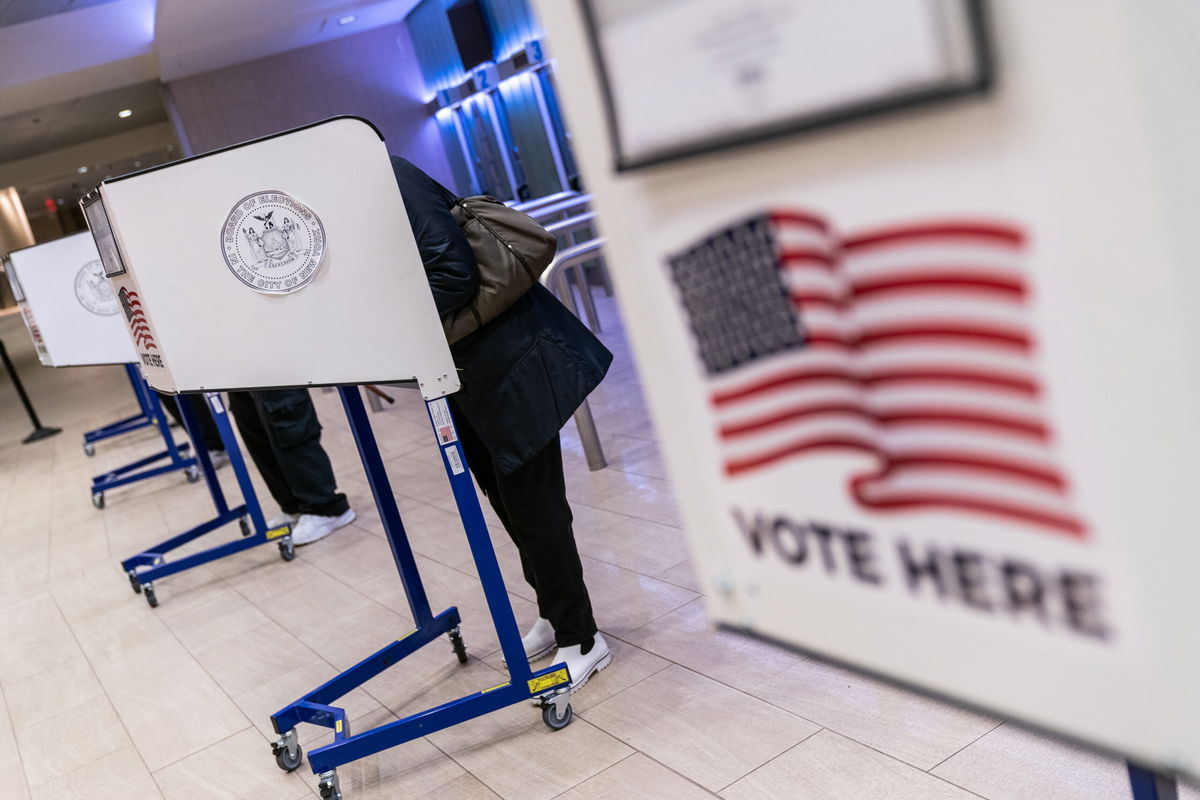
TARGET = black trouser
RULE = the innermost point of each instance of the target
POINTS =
(531, 502)
(199, 406)
(282, 433)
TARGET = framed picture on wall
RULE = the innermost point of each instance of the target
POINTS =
(686, 77)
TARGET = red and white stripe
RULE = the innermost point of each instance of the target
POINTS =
(138, 324)
(919, 351)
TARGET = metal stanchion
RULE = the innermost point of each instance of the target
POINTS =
(555, 279)
(40, 431)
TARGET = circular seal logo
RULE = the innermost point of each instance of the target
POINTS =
(272, 242)
(94, 291)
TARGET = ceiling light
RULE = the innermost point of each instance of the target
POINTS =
(125, 113)
(346, 20)
(81, 170)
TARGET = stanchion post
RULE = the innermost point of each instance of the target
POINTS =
(40, 431)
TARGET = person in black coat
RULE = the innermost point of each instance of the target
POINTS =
(523, 375)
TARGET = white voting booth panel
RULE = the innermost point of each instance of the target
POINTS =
(929, 385)
(68, 304)
(286, 261)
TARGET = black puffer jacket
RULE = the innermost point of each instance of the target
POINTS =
(525, 372)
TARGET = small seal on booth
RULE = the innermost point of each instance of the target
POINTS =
(93, 290)
(272, 242)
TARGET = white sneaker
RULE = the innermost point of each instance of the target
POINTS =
(311, 528)
(282, 519)
(582, 667)
(539, 641)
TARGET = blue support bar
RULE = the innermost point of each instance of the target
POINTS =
(150, 564)
(523, 684)
(1148, 785)
(142, 419)
(173, 455)
(385, 501)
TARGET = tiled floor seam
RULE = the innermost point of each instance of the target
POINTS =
(965, 746)
(12, 729)
(771, 760)
(103, 688)
(633, 752)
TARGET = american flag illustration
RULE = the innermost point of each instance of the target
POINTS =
(910, 343)
(137, 320)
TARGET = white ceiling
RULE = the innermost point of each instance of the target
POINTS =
(66, 66)
(59, 50)
(193, 37)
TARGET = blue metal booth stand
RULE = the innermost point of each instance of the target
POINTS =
(550, 686)
(150, 564)
(151, 414)
(142, 419)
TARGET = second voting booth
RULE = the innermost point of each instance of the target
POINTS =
(73, 316)
(309, 289)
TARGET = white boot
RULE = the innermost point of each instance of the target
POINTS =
(581, 666)
(311, 528)
(539, 642)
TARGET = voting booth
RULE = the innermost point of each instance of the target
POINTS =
(74, 318)
(288, 262)
(68, 304)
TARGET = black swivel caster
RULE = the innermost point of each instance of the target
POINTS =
(98, 499)
(134, 582)
(89, 449)
(329, 788)
(287, 550)
(192, 474)
(288, 753)
(460, 649)
(556, 715)
(151, 597)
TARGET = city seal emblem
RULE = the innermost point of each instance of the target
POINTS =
(93, 290)
(273, 243)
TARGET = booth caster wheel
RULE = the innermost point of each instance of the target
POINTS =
(460, 649)
(287, 550)
(288, 753)
(134, 582)
(89, 449)
(557, 715)
(192, 474)
(98, 499)
(151, 597)
(329, 788)
(245, 525)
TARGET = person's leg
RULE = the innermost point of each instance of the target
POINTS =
(208, 428)
(258, 444)
(484, 471)
(290, 423)
(539, 517)
(539, 520)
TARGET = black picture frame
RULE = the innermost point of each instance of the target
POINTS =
(979, 82)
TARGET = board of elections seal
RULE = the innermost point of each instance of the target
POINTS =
(272, 242)
(93, 290)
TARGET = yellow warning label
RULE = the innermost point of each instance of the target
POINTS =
(405, 636)
(548, 681)
(338, 726)
(494, 688)
(282, 530)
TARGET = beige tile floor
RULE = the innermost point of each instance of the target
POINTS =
(102, 697)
